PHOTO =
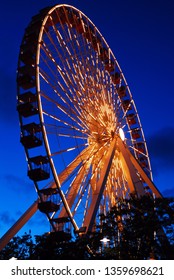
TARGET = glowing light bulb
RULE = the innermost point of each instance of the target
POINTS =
(105, 240)
(121, 133)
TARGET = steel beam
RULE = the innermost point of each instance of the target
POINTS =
(97, 194)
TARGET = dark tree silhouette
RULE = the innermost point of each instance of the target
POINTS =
(19, 247)
(138, 228)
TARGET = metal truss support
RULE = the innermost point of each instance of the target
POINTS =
(90, 217)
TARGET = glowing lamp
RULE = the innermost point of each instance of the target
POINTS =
(105, 240)
(121, 133)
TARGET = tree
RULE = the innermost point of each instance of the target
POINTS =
(19, 247)
(138, 228)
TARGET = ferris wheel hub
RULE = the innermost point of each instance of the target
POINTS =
(73, 103)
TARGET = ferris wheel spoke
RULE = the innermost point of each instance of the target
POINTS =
(71, 135)
(62, 107)
(77, 49)
(68, 149)
(68, 79)
(89, 219)
(76, 185)
(70, 113)
(82, 157)
(64, 87)
(65, 110)
(87, 203)
(50, 62)
(73, 101)
(80, 207)
(65, 131)
(65, 123)
(68, 38)
(81, 73)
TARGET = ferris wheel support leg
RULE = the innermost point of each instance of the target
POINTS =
(18, 225)
(72, 194)
(144, 176)
(134, 163)
(134, 182)
(90, 217)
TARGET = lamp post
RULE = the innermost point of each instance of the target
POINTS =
(104, 241)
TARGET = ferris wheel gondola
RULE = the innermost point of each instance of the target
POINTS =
(80, 128)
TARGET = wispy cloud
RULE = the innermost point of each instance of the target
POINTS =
(18, 183)
(161, 149)
(6, 219)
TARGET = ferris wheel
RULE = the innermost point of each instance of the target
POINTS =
(80, 128)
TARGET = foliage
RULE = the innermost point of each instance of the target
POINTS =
(19, 247)
(138, 228)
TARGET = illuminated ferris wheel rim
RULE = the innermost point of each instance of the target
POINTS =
(40, 38)
(103, 39)
(130, 120)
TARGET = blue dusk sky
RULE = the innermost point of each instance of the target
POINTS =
(141, 36)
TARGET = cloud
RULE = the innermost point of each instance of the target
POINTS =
(161, 148)
(18, 184)
(6, 218)
(39, 219)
